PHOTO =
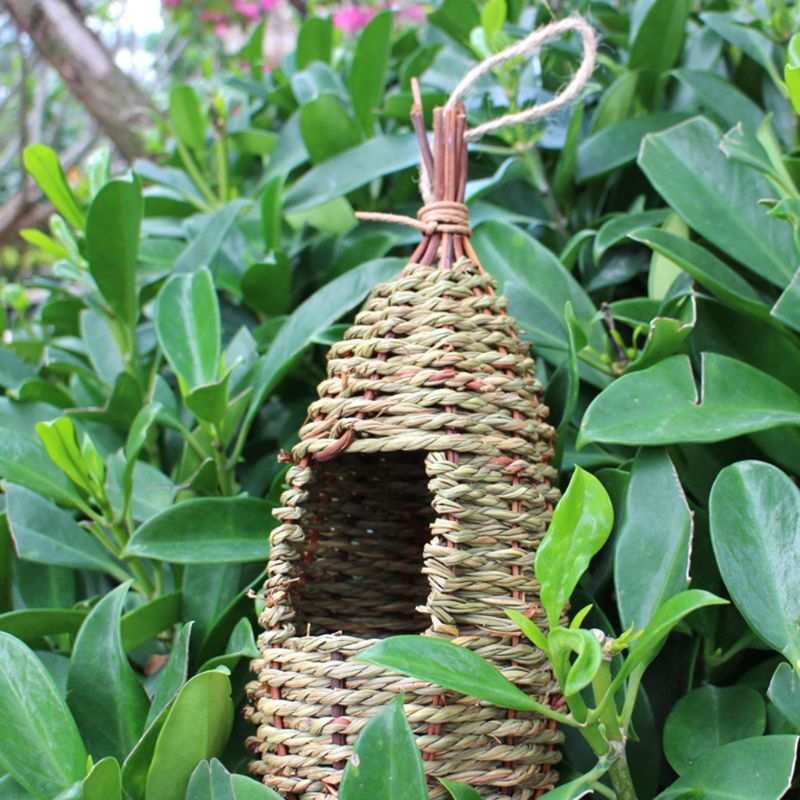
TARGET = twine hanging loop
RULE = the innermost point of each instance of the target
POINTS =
(525, 47)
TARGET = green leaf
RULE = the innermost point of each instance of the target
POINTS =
(709, 717)
(378, 156)
(39, 741)
(242, 644)
(206, 530)
(267, 287)
(104, 782)
(43, 164)
(663, 270)
(368, 70)
(386, 763)
(457, 18)
(582, 521)
(760, 767)
(459, 791)
(326, 113)
(653, 541)
(60, 441)
(791, 75)
(271, 203)
(718, 197)
(705, 268)
(196, 728)
(209, 403)
(448, 665)
(187, 118)
(574, 790)
(311, 317)
(719, 96)
(784, 692)
(137, 439)
(210, 781)
(668, 615)
(44, 533)
(172, 675)
(754, 512)
(787, 308)
(617, 228)
(657, 33)
(109, 703)
(575, 676)
(314, 42)
(146, 621)
(245, 788)
(23, 461)
(30, 624)
(201, 251)
(188, 327)
(618, 145)
(112, 244)
(662, 405)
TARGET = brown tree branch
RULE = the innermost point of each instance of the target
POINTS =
(114, 100)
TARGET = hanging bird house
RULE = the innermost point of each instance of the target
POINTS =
(417, 495)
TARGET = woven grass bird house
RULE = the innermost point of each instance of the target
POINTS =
(417, 495)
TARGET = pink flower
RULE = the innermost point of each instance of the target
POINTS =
(221, 29)
(212, 16)
(249, 10)
(269, 5)
(416, 12)
(352, 18)
(171, 3)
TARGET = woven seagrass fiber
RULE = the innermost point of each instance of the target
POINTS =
(418, 493)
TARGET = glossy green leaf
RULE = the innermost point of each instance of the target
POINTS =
(11, 790)
(456, 18)
(718, 197)
(187, 118)
(721, 97)
(378, 156)
(615, 230)
(25, 462)
(575, 675)
(314, 42)
(709, 717)
(267, 287)
(196, 728)
(582, 521)
(573, 790)
(662, 404)
(448, 665)
(319, 311)
(653, 540)
(44, 533)
(327, 113)
(669, 614)
(657, 33)
(210, 781)
(172, 675)
(206, 530)
(188, 327)
(245, 788)
(618, 145)
(528, 627)
(754, 513)
(242, 644)
(39, 741)
(201, 250)
(146, 621)
(112, 244)
(43, 164)
(60, 441)
(386, 763)
(787, 308)
(368, 70)
(137, 439)
(109, 703)
(30, 624)
(104, 782)
(459, 791)
(760, 767)
(784, 692)
(704, 267)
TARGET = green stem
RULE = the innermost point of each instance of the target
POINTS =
(221, 149)
(621, 779)
(227, 482)
(194, 172)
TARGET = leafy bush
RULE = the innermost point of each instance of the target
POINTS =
(647, 241)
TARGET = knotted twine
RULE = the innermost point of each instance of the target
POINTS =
(452, 217)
